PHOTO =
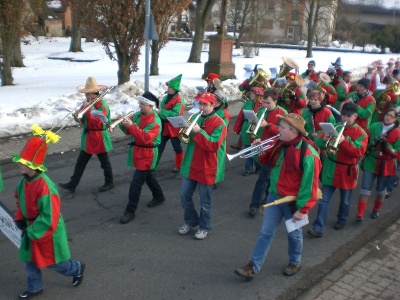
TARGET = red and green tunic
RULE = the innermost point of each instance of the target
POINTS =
(95, 138)
(172, 108)
(393, 102)
(204, 159)
(242, 124)
(292, 106)
(38, 203)
(314, 117)
(365, 109)
(341, 170)
(342, 89)
(145, 135)
(380, 161)
(302, 182)
(331, 94)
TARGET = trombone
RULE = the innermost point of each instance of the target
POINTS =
(110, 127)
(257, 149)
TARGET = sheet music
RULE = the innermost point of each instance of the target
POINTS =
(250, 115)
(290, 225)
(178, 122)
(328, 129)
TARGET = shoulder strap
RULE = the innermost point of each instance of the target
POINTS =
(304, 146)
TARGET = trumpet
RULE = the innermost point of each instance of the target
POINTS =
(185, 131)
(332, 143)
(253, 127)
(258, 149)
(110, 127)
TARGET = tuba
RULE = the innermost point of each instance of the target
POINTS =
(288, 64)
(384, 99)
(333, 141)
(185, 131)
(110, 127)
(289, 90)
(258, 80)
(253, 127)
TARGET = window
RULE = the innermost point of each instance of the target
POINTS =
(295, 16)
(290, 32)
(295, 2)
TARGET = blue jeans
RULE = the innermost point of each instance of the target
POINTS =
(272, 218)
(368, 183)
(249, 162)
(323, 207)
(192, 218)
(393, 179)
(260, 191)
(35, 282)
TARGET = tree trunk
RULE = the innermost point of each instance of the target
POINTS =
(17, 55)
(312, 24)
(155, 54)
(76, 43)
(6, 73)
(124, 65)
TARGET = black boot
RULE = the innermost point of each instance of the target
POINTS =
(68, 186)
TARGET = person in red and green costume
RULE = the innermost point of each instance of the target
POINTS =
(295, 169)
(95, 138)
(343, 89)
(384, 100)
(291, 97)
(44, 242)
(204, 165)
(340, 169)
(380, 162)
(172, 105)
(144, 127)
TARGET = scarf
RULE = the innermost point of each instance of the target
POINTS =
(291, 160)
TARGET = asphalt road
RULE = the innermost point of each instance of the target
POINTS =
(148, 259)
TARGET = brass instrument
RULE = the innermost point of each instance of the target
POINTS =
(253, 127)
(323, 78)
(288, 64)
(333, 141)
(110, 127)
(258, 149)
(289, 90)
(258, 81)
(185, 131)
(384, 99)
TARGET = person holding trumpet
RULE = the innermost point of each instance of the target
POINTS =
(95, 138)
(144, 127)
(203, 165)
(295, 169)
(340, 168)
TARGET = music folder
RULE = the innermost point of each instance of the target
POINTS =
(328, 128)
(178, 122)
(250, 116)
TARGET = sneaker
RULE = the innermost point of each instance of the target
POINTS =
(247, 271)
(315, 233)
(28, 295)
(155, 202)
(252, 211)
(185, 229)
(291, 269)
(67, 186)
(127, 217)
(359, 219)
(247, 173)
(175, 170)
(339, 226)
(201, 234)
(77, 280)
(106, 187)
(375, 214)
(388, 195)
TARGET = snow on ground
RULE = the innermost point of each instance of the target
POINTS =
(46, 88)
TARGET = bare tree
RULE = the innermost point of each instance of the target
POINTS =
(203, 11)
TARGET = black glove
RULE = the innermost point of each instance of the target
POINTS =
(247, 87)
(21, 224)
(383, 144)
(280, 99)
(293, 97)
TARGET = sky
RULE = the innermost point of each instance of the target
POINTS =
(45, 90)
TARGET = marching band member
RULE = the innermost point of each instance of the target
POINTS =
(172, 105)
(338, 74)
(380, 161)
(210, 82)
(221, 110)
(387, 98)
(144, 127)
(204, 165)
(292, 98)
(95, 138)
(310, 72)
(390, 67)
(44, 242)
(295, 168)
(242, 124)
(340, 169)
(329, 94)
(343, 89)
(374, 77)
(269, 127)
(380, 69)
(365, 103)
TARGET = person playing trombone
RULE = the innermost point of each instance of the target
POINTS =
(295, 169)
(95, 138)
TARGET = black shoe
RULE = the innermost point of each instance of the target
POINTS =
(339, 226)
(106, 187)
(375, 214)
(315, 233)
(77, 280)
(28, 295)
(215, 186)
(359, 219)
(252, 212)
(175, 170)
(68, 186)
(127, 217)
(388, 195)
(155, 202)
(247, 173)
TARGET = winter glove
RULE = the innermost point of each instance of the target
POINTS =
(383, 144)
(293, 97)
(21, 224)
(280, 99)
